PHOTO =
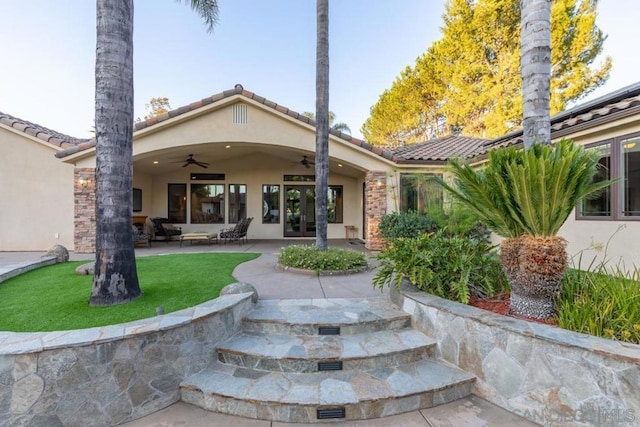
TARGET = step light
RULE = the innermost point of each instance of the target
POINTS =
(329, 330)
(323, 414)
(330, 366)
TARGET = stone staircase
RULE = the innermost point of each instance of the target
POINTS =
(328, 360)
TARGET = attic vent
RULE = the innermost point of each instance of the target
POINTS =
(240, 114)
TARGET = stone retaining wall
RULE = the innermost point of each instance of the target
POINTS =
(110, 375)
(546, 374)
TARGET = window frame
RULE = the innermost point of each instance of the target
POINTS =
(617, 187)
(270, 208)
(183, 186)
(419, 200)
(223, 208)
(237, 199)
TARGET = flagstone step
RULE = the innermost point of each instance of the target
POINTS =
(303, 353)
(306, 316)
(303, 397)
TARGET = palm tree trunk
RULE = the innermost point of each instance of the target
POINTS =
(116, 279)
(536, 70)
(322, 121)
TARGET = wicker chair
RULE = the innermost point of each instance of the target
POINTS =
(163, 228)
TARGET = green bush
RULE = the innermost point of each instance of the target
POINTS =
(601, 304)
(458, 221)
(452, 267)
(312, 258)
(405, 224)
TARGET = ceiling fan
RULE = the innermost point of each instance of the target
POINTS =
(191, 161)
(306, 162)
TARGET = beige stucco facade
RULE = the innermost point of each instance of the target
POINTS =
(255, 142)
(36, 194)
(261, 150)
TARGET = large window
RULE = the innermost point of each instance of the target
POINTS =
(600, 204)
(619, 160)
(237, 202)
(271, 204)
(418, 192)
(177, 196)
(207, 203)
(334, 205)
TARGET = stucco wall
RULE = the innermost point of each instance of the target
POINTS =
(36, 194)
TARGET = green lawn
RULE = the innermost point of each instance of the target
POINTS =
(55, 298)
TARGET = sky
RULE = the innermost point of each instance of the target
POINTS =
(48, 59)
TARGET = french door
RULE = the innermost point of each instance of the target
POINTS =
(300, 205)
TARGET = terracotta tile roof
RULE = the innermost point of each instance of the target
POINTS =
(439, 149)
(623, 102)
(237, 90)
(45, 134)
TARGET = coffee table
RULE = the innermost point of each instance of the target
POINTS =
(209, 237)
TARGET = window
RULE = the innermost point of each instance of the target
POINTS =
(418, 192)
(137, 200)
(207, 203)
(600, 205)
(237, 202)
(177, 197)
(630, 175)
(619, 160)
(271, 204)
(334, 205)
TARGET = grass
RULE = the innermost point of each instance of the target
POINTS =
(55, 298)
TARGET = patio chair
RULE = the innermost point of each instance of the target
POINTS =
(163, 228)
(239, 232)
(140, 236)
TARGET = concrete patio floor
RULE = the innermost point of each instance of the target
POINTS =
(272, 284)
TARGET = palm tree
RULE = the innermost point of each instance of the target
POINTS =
(535, 62)
(322, 123)
(526, 196)
(340, 126)
(116, 278)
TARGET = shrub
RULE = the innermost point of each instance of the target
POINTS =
(405, 224)
(600, 304)
(311, 258)
(452, 267)
(458, 221)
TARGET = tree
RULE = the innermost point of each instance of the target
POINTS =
(157, 106)
(525, 195)
(340, 126)
(536, 71)
(469, 81)
(116, 280)
(322, 122)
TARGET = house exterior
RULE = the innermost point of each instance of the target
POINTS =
(259, 163)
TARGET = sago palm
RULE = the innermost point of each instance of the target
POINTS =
(526, 195)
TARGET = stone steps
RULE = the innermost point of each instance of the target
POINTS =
(280, 368)
(303, 353)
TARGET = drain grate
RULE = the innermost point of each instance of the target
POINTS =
(330, 366)
(329, 330)
(323, 414)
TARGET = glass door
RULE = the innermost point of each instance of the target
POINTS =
(300, 203)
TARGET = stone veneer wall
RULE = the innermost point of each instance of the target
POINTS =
(376, 197)
(84, 223)
(114, 374)
(546, 374)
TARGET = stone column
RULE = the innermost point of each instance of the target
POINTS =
(84, 224)
(376, 197)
